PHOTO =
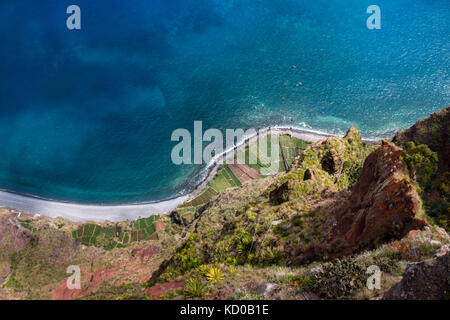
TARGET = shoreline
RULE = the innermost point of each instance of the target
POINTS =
(122, 212)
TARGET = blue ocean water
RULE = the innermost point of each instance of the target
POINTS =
(87, 115)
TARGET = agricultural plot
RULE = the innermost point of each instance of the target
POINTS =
(224, 179)
(270, 166)
(207, 194)
(291, 147)
(263, 164)
(244, 173)
(111, 237)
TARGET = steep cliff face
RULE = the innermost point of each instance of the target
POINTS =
(13, 238)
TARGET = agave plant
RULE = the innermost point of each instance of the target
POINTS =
(214, 274)
(203, 270)
(232, 270)
(274, 256)
(194, 288)
(245, 245)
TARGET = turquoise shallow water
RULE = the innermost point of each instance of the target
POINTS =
(87, 116)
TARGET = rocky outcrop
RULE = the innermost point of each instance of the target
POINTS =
(181, 217)
(332, 159)
(425, 280)
(382, 206)
(279, 194)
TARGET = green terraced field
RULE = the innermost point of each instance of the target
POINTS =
(263, 161)
(224, 179)
(270, 168)
(111, 237)
(207, 194)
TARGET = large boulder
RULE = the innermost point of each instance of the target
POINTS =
(425, 280)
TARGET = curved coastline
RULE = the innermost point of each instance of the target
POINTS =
(123, 212)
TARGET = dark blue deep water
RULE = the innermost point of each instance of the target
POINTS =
(87, 115)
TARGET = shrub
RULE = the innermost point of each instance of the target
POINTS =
(445, 183)
(421, 161)
(297, 221)
(203, 270)
(338, 280)
(187, 259)
(231, 261)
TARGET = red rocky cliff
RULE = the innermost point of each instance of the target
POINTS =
(382, 206)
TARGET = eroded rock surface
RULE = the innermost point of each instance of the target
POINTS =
(425, 280)
(383, 203)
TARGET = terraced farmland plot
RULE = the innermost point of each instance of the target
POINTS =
(271, 166)
(263, 163)
(95, 235)
(207, 194)
(244, 173)
(250, 155)
(224, 179)
(145, 222)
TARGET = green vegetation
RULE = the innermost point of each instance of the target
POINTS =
(194, 288)
(245, 245)
(434, 189)
(184, 260)
(115, 236)
(252, 152)
(422, 162)
(338, 280)
(274, 257)
(214, 274)
(224, 179)
(27, 224)
(206, 195)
